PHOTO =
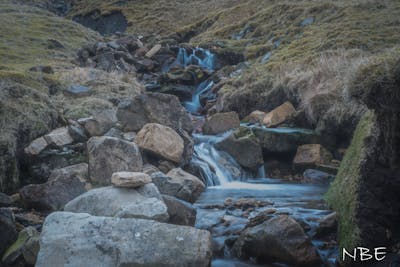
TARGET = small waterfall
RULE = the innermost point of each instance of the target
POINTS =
(194, 105)
(199, 56)
(216, 167)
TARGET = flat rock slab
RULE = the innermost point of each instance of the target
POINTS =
(144, 202)
(130, 179)
(81, 240)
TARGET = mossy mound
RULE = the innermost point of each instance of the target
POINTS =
(343, 194)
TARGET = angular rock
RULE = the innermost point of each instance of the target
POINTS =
(36, 146)
(317, 177)
(283, 140)
(245, 149)
(279, 115)
(180, 184)
(72, 240)
(53, 194)
(5, 200)
(154, 50)
(108, 155)
(27, 245)
(101, 123)
(153, 108)
(311, 155)
(279, 239)
(256, 116)
(221, 122)
(161, 140)
(77, 91)
(59, 137)
(144, 202)
(130, 179)
(180, 212)
(8, 232)
(80, 171)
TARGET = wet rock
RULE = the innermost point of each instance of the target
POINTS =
(221, 122)
(153, 108)
(36, 146)
(154, 50)
(317, 177)
(144, 202)
(108, 155)
(279, 115)
(311, 155)
(27, 246)
(256, 116)
(259, 217)
(52, 195)
(149, 169)
(188, 147)
(70, 239)
(100, 123)
(5, 200)
(283, 140)
(161, 140)
(77, 133)
(183, 92)
(328, 224)
(180, 212)
(59, 137)
(8, 232)
(279, 239)
(129, 136)
(130, 179)
(245, 149)
(180, 184)
(77, 91)
(191, 75)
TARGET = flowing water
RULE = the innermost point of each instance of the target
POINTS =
(225, 178)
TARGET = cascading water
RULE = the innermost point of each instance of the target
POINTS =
(216, 167)
(199, 56)
(225, 178)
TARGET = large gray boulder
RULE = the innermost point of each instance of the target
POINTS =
(153, 108)
(81, 240)
(180, 184)
(144, 202)
(279, 239)
(108, 155)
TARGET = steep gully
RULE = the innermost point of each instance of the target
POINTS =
(227, 180)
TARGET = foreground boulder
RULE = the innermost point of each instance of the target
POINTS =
(244, 148)
(180, 212)
(78, 239)
(53, 194)
(279, 239)
(108, 155)
(153, 108)
(161, 140)
(180, 184)
(279, 115)
(221, 122)
(144, 202)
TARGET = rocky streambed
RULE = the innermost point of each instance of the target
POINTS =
(164, 178)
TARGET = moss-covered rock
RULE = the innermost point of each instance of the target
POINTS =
(343, 194)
